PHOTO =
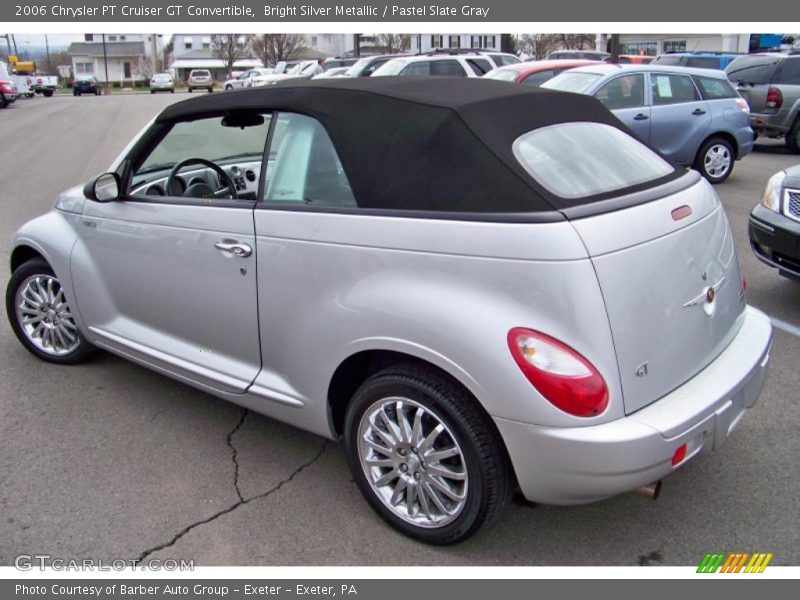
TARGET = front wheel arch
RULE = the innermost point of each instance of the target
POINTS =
(22, 254)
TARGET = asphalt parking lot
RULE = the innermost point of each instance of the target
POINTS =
(109, 460)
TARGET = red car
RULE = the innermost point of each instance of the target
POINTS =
(535, 73)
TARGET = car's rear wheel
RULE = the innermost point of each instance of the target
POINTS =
(3, 101)
(190, 90)
(48, 93)
(211, 89)
(425, 455)
(793, 137)
(715, 160)
(228, 88)
(41, 317)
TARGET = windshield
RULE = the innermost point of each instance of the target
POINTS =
(162, 78)
(548, 154)
(392, 67)
(753, 69)
(572, 81)
(501, 75)
(359, 66)
(206, 138)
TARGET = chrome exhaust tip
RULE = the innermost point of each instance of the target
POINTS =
(651, 491)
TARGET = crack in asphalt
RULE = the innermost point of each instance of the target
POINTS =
(241, 501)
(234, 454)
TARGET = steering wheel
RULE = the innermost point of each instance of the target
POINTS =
(202, 190)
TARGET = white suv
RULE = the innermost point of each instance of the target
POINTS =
(439, 65)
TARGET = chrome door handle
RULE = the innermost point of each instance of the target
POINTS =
(235, 248)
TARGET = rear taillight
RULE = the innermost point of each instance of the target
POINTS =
(742, 103)
(564, 377)
(774, 98)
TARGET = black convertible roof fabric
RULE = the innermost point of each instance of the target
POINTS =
(428, 143)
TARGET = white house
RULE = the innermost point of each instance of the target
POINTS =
(658, 43)
(193, 51)
(424, 42)
(121, 58)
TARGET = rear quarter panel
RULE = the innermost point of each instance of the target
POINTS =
(443, 291)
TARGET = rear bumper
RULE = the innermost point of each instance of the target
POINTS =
(770, 125)
(585, 464)
(775, 240)
(745, 140)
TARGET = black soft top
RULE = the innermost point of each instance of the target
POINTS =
(427, 143)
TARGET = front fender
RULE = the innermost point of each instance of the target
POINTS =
(53, 235)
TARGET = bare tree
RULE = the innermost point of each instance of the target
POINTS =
(393, 43)
(143, 68)
(577, 41)
(538, 45)
(272, 48)
(230, 47)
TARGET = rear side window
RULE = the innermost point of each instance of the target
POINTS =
(672, 89)
(447, 68)
(715, 89)
(790, 71)
(502, 59)
(548, 154)
(304, 167)
(537, 79)
(480, 66)
(753, 69)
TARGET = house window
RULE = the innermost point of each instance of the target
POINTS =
(437, 41)
(122, 38)
(455, 41)
(675, 46)
(127, 69)
(206, 46)
(112, 38)
(84, 68)
(187, 45)
(88, 37)
(640, 48)
(488, 41)
(475, 41)
(314, 41)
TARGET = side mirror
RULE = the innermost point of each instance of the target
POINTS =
(103, 188)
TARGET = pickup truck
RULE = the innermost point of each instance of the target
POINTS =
(45, 84)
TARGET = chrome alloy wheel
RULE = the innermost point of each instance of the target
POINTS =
(412, 462)
(717, 160)
(44, 315)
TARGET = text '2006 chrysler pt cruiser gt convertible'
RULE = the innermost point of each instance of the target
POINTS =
(476, 286)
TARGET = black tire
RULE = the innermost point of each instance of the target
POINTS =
(3, 101)
(152, 91)
(75, 94)
(190, 90)
(793, 137)
(486, 462)
(172, 91)
(47, 93)
(38, 266)
(708, 171)
(211, 89)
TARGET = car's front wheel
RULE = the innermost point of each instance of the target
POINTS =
(41, 317)
(715, 160)
(425, 455)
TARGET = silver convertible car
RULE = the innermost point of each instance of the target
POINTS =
(476, 286)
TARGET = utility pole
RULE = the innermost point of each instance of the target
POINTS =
(356, 45)
(8, 41)
(614, 48)
(13, 39)
(105, 61)
(47, 47)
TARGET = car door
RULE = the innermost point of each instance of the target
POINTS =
(168, 277)
(625, 95)
(679, 117)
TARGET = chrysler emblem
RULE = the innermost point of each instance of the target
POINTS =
(707, 297)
